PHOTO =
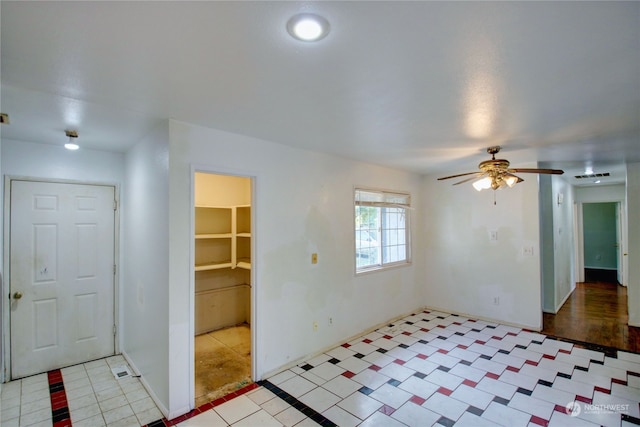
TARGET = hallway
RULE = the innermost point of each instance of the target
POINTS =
(595, 313)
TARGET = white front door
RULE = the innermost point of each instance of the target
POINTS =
(62, 275)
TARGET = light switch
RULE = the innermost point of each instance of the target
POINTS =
(314, 258)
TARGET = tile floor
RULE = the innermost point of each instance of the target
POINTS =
(82, 395)
(428, 369)
(436, 369)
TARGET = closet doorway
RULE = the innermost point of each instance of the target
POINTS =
(222, 299)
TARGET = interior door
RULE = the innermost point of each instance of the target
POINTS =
(62, 275)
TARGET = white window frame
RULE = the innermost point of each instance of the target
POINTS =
(379, 198)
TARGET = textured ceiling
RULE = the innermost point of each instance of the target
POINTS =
(422, 86)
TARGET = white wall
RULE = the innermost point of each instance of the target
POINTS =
(27, 159)
(304, 204)
(633, 242)
(144, 293)
(563, 240)
(600, 193)
(465, 270)
(48, 161)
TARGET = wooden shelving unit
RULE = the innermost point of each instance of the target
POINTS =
(222, 237)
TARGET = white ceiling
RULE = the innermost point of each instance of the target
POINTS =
(422, 86)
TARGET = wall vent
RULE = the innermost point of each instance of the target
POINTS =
(593, 175)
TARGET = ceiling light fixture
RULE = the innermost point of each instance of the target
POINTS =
(73, 135)
(308, 27)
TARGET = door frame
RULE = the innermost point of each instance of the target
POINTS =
(621, 230)
(5, 286)
(256, 372)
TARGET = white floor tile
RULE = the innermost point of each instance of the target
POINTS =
(275, 406)
(497, 388)
(559, 419)
(353, 364)
(290, 417)
(319, 399)
(117, 414)
(489, 366)
(506, 416)
(260, 418)
(472, 396)
(206, 419)
(237, 409)
(327, 371)
(360, 405)
(341, 417)
(297, 386)
(444, 379)
(532, 405)
(95, 421)
(341, 353)
(446, 406)
(342, 386)
(469, 420)
(260, 395)
(371, 378)
(415, 415)
(418, 387)
(396, 371)
(391, 396)
(379, 419)
(85, 412)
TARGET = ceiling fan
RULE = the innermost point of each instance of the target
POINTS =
(496, 173)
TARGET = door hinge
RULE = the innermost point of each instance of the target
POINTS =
(114, 330)
(114, 269)
(115, 205)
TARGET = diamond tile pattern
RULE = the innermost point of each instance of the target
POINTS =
(434, 368)
(428, 369)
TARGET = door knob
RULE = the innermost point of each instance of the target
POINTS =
(17, 295)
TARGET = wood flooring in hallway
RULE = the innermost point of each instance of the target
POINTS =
(595, 313)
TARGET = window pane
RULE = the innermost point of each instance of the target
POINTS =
(380, 232)
(367, 239)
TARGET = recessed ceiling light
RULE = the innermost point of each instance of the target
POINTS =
(308, 27)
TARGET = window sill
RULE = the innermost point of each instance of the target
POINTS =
(369, 270)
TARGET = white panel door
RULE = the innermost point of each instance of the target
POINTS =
(62, 275)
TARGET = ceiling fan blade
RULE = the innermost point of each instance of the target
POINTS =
(460, 174)
(478, 175)
(544, 171)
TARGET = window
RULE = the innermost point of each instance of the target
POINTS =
(381, 229)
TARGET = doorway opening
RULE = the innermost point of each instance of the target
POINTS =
(222, 297)
(601, 239)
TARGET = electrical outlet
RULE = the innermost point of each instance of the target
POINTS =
(315, 326)
(493, 235)
(314, 258)
(496, 300)
(330, 321)
(527, 251)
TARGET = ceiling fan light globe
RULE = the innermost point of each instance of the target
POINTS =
(511, 181)
(482, 184)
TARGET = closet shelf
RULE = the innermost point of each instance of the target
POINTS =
(214, 236)
(244, 263)
(213, 266)
(244, 234)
